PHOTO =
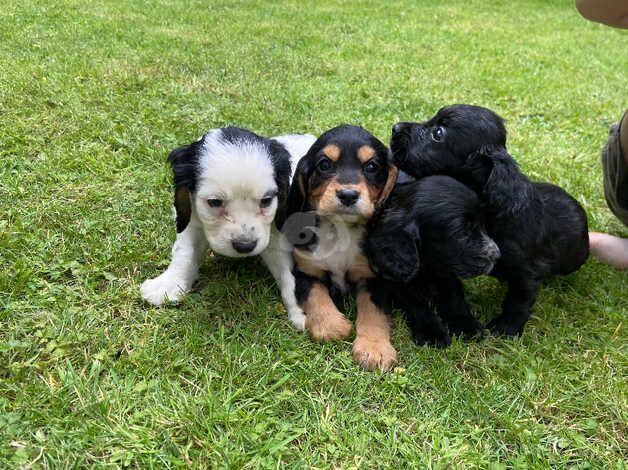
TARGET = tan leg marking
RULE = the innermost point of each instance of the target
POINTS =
(372, 348)
(323, 320)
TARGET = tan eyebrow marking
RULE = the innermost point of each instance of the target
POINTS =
(365, 153)
(332, 152)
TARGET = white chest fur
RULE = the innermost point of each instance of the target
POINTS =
(338, 252)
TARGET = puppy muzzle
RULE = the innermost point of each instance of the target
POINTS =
(492, 251)
(492, 254)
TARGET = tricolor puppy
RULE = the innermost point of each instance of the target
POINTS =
(231, 188)
(337, 187)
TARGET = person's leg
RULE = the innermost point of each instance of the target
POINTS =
(615, 169)
(623, 137)
(607, 248)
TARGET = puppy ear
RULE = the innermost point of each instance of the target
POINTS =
(184, 163)
(281, 166)
(299, 189)
(507, 190)
(392, 247)
(393, 171)
(183, 207)
(300, 223)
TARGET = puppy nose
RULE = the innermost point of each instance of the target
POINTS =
(243, 245)
(398, 127)
(348, 197)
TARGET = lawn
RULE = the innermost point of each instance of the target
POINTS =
(93, 95)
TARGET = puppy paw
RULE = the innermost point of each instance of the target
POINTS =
(502, 327)
(372, 353)
(327, 326)
(297, 318)
(163, 288)
(465, 326)
(434, 337)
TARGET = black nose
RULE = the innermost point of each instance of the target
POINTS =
(398, 127)
(348, 197)
(244, 246)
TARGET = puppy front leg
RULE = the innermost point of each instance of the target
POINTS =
(516, 308)
(323, 320)
(188, 251)
(454, 309)
(278, 258)
(372, 348)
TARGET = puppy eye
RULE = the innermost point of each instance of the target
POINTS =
(438, 134)
(371, 167)
(266, 201)
(215, 203)
(325, 164)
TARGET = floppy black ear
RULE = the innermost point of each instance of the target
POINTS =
(300, 225)
(299, 189)
(184, 163)
(393, 249)
(506, 189)
(281, 165)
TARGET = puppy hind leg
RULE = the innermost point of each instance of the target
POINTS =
(426, 328)
(454, 309)
(516, 308)
(188, 251)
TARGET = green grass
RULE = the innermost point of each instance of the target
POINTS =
(92, 97)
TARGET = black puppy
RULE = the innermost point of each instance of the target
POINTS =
(429, 234)
(539, 228)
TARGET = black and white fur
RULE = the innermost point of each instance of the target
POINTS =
(540, 229)
(231, 188)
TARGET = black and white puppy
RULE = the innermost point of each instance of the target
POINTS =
(338, 186)
(428, 236)
(539, 228)
(231, 189)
